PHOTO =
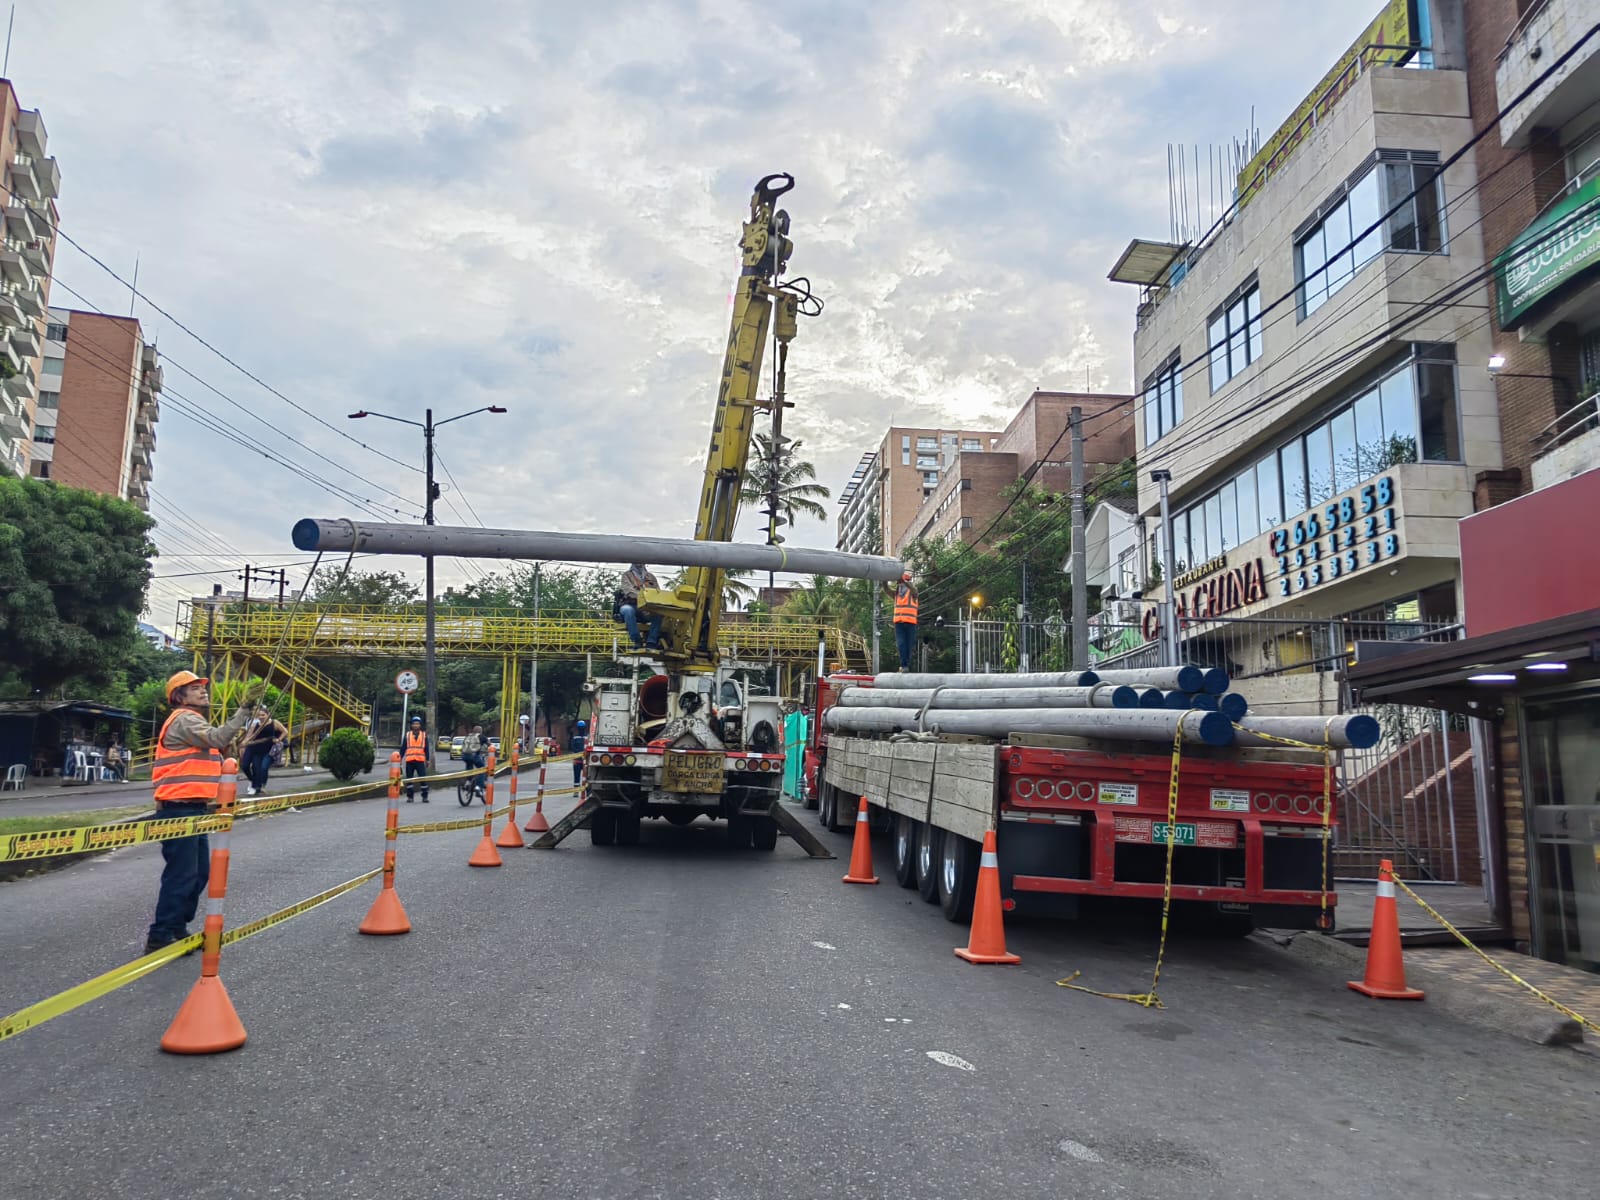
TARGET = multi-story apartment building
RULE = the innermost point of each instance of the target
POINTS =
(31, 181)
(972, 493)
(904, 471)
(1315, 370)
(99, 400)
(1540, 167)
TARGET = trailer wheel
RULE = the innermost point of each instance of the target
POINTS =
(958, 876)
(603, 827)
(905, 851)
(627, 829)
(830, 809)
(929, 839)
(764, 833)
(739, 833)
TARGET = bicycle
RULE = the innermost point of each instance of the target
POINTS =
(471, 788)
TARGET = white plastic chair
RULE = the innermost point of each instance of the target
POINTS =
(16, 777)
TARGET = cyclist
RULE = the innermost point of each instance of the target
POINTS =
(474, 755)
(576, 744)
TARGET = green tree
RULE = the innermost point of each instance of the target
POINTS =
(74, 566)
(798, 491)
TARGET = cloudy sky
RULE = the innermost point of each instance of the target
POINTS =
(536, 204)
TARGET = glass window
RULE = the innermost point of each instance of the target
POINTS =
(1398, 400)
(1229, 507)
(1314, 280)
(1436, 404)
(927, 460)
(1212, 507)
(1336, 239)
(55, 332)
(1234, 335)
(905, 451)
(971, 445)
(930, 479)
(1269, 495)
(1319, 465)
(1346, 461)
(1292, 470)
(927, 443)
(1366, 206)
(1163, 402)
(1416, 224)
(1217, 339)
(49, 399)
(50, 366)
(1369, 435)
(1583, 162)
(1249, 513)
(1183, 547)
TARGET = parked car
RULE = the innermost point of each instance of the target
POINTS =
(443, 743)
(495, 742)
(455, 746)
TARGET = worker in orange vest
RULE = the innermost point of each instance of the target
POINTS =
(418, 758)
(187, 773)
(905, 620)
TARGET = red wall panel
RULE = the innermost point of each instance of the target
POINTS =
(1534, 558)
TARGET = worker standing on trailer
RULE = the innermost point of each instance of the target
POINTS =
(187, 773)
(905, 620)
(417, 756)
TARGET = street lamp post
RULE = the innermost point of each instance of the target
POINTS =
(1169, 614)
(428, 425)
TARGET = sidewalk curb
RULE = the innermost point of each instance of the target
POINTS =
(1530, 1019)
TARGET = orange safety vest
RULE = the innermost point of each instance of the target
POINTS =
(417, 746)
(905, 605)
(186, 775)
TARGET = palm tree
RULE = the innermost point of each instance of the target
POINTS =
(736, 593)
(797, 491)
(821, 600)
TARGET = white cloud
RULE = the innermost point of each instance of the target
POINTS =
(537, 205)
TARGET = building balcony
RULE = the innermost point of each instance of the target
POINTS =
(13, 421)
(36, 254)
(22, 180)
(10, 356)
(14, 267)
(1569, 445)
(49, 178)
(31, 137)
(24, 224)
(25, 298)
(146, 416)
(1544, 34)
(152, 379)
(25, 338)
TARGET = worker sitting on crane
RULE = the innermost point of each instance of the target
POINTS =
(635, 577)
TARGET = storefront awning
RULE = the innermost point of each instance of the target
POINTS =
(1475, 676)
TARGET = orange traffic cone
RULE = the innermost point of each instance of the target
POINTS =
(207, 1022)
(387, 915)
(486, 855)
(537, 822)
(1386, 974)
(511, 837)
(861, 850)
(987, 942)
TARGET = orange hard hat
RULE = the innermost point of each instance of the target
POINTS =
(182, 679)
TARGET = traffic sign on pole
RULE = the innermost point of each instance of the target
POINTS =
(406, 682)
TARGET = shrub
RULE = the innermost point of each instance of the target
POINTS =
(347, 753)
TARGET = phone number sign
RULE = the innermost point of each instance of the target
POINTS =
(1352, 532)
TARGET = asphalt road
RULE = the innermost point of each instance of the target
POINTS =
(679, 1020)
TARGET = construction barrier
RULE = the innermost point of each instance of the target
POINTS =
(486, 855)
(511, 837)
(207, 1022)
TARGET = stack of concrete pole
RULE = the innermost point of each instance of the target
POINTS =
(1149, 704)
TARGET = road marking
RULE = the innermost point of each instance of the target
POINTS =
(946, 1059)
(843, 1006)
(1079, 1151)
(824, 946)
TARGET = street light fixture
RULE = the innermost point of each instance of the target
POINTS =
(428, 425)
(1497, 368)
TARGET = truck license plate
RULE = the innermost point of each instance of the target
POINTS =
(689, 771)
(1183, 837)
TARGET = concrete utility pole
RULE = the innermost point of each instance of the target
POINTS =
(533, 686)
(1169, 607)
(1080, 558)
(428, 426)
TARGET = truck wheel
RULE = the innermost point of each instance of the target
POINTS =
(627, 829)
(830, 809)
(929, 839)
(958, 876)
(764, 833)
(905, 851)
(603, 827)
(738, 833)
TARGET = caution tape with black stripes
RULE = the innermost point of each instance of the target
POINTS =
(75, 997)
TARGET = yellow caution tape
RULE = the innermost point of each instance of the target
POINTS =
(53, 843)
(442, 826)
(1506, 971)
(1150, 999)
(76, 997)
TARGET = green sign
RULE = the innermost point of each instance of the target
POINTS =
(1561, 245)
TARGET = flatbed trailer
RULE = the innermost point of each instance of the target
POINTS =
(1076, 818)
